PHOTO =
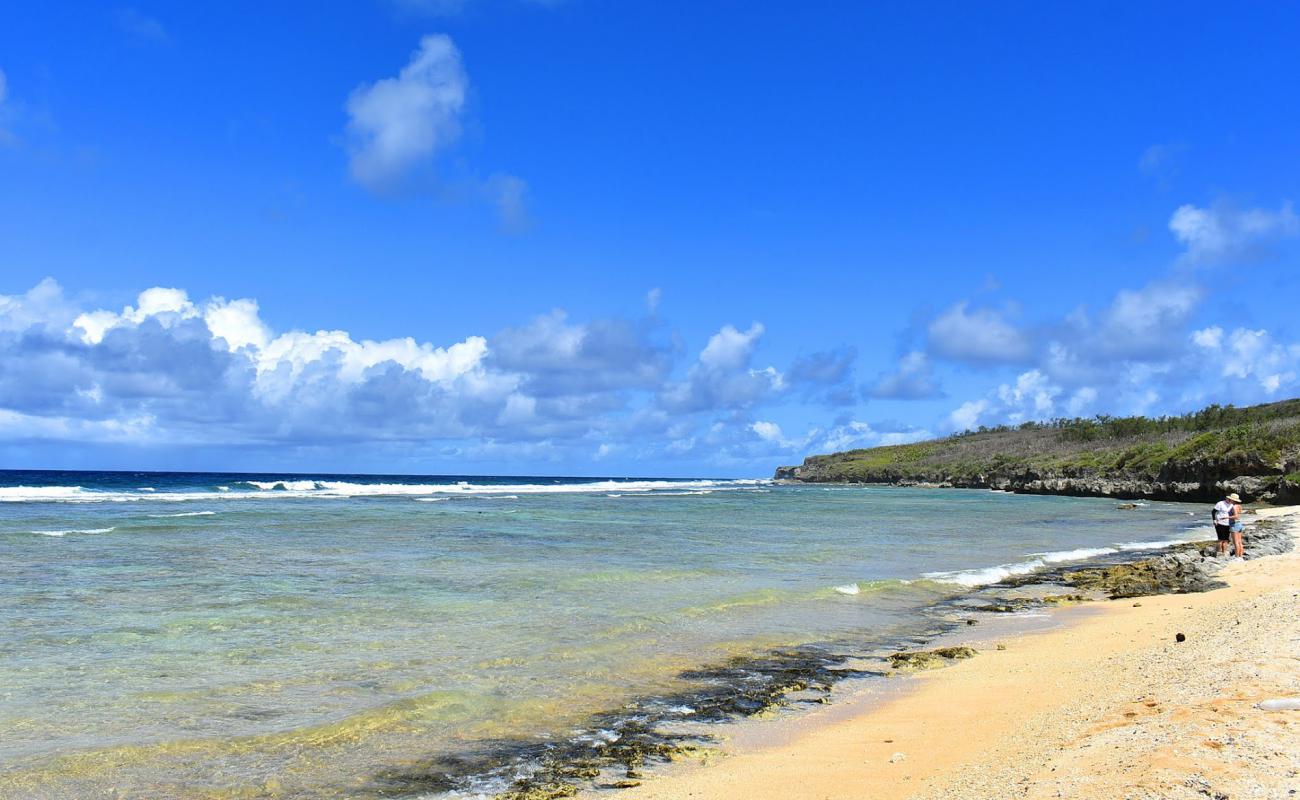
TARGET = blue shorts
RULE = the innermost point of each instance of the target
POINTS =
(1237, 527)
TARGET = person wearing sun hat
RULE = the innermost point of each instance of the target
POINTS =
(1235, 526)
(1223, 523)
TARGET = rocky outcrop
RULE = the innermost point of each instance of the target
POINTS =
(929, 659)
(1254, 451)
(1252, 488)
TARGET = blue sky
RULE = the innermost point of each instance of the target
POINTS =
(582, 237)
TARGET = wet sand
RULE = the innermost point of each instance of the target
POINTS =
(1108, 705)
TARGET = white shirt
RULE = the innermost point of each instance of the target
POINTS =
(1222, 512)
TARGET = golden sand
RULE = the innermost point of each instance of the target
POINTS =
(1107, 706)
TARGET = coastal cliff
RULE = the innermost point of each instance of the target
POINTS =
(1254, 451)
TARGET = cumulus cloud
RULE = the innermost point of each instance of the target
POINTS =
(1250, 355)
(42, 305)
(556, 357)
(967, 415)
(1032, 396)
(1216, 235)
(170, 369)
(397, 125)
(722, 377)
(215, 369)
(1146, 321)
(768, 431)
(980, 336)
(913, 380)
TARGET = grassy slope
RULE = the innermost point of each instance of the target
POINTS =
(1216, 444)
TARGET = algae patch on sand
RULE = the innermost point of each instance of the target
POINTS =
(929, 659)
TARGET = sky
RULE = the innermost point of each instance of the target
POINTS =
(612, 237)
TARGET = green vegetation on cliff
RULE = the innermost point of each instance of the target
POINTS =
(1255, 450)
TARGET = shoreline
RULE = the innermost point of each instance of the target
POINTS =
(622, 749)
(1103, 704)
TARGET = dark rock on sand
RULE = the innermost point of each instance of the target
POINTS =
(929, 659)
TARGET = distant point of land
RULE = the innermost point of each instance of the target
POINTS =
(1253, 450)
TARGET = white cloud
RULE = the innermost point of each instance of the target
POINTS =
(558, 357)
(730, 348)
(967, 415)
(398, 124)
(1252, 355)
(19, 427)
(768, 431)
(168, 305)
(1032, 396)
(913, 380)
(238, 323)
(1223, 234)
(978, 336)
(1210, 338)
(169, 369)
(722, 377)
(1081, 401)
(43, 304)
(849, 436)
(1146, 321)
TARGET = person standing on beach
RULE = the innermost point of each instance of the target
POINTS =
(1235, 526)
(1223, 523)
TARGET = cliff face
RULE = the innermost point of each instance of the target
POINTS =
(1253, 451)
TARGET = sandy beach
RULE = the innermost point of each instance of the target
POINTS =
(1107, 705)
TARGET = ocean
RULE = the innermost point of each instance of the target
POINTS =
(214, 635)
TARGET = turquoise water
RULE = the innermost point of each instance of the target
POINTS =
(206, 636)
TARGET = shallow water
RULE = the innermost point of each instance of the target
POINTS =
(227, 636)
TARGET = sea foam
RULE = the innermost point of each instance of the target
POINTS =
(75, 530)
(1079, 554)
(986, 575)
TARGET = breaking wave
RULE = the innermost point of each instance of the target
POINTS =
(74, 530)
(308, 488)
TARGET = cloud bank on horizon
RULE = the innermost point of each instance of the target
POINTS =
(172, 371)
